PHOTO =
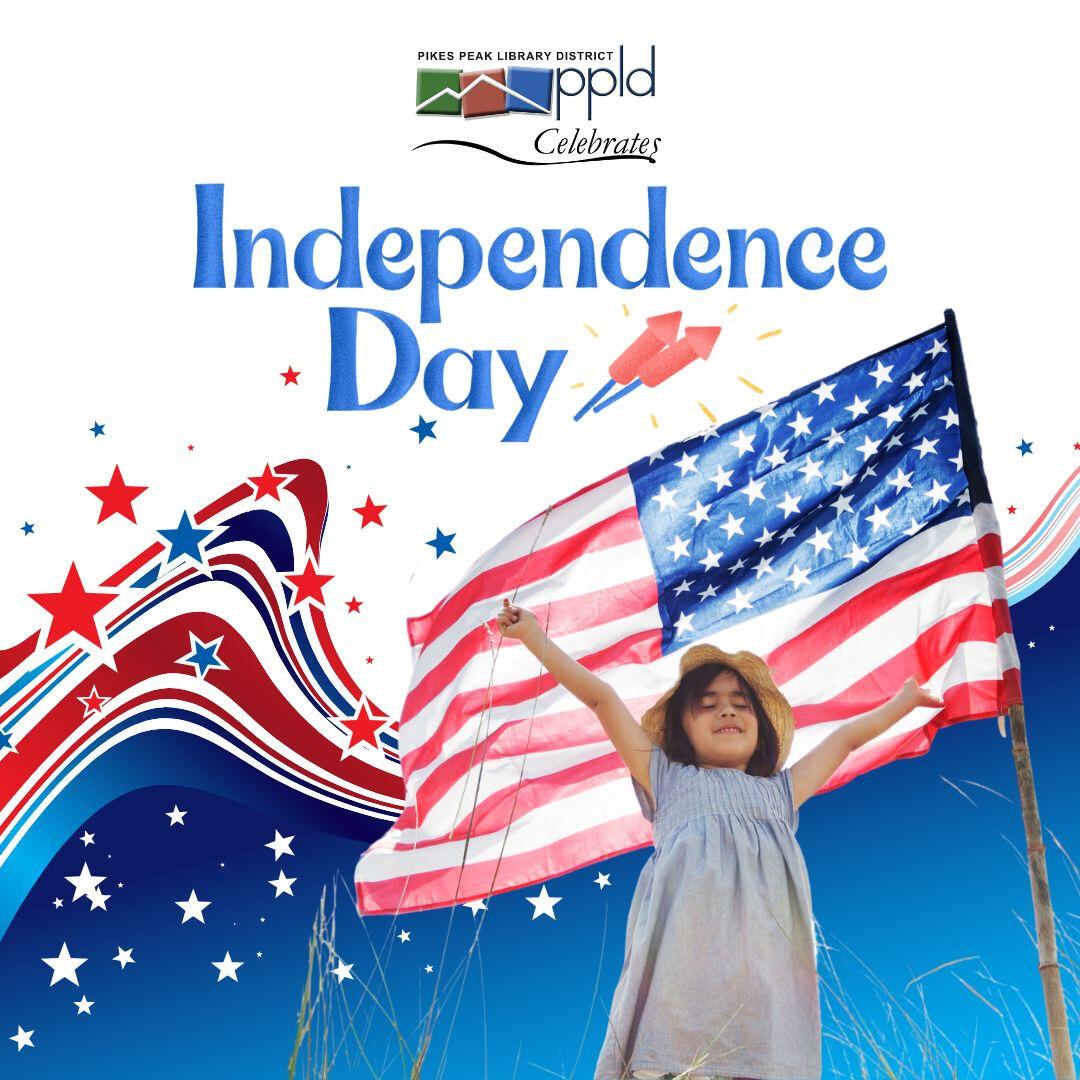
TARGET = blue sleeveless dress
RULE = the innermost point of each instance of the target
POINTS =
(719, 975)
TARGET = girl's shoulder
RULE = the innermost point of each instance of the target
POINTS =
(663, 774)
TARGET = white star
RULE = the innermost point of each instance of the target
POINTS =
(405, 935)
(683, 586)
(892, 414)
(87, 838)
(64, 966)
(868, 448)
(602, 880)
(938, 493)
(765, 411)
(894, 440)
(428, 968)
(343, 971)
(843, 505)
(282, 885)
(722, 479)
(58, 903)
(914, 382)
(879, 518)
(901, 480)
(914, 527)
(800, 425)
(683, 624)
(763, 566)
(711, 433)
(666, 498)
(857, 407)
(741, 602)
(711, 560)
(787, 534)
(680, 549)
(227, 968)
(22, 1038)
(790, 505)
(708, 593)
(927, 446)
(280, 845)
(963, 497)
(699, 513)
(193, 908)
(920, 411)
(810, 469)
(98, 898)
(880, 374)
(824, 392)
(83, 1006)
(476, 906)
(733, 525)
(764, 538)
(856, 555)
(936, 349)
(656, 455)
(845, 479)
(543, 903)
(951, 419)
(686, 463)
(958, 461)
(175, 816)
(820, 540)
(85, 883)
(776, 458)
(123, 956)
(736, 566)
(835, 438)
(743, 442)
(798, 576)
(753, 491)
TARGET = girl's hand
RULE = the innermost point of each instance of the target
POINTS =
(913, 696)
(518, 622)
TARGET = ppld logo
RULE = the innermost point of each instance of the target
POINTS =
(506, 90)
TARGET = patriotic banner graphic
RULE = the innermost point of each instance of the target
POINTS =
(844, 532)
(203, 660)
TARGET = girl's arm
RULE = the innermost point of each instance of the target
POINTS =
(627, 735)
(814, 768)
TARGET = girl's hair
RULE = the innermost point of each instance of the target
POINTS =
(688, 694)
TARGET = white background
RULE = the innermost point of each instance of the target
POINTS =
(950, 130)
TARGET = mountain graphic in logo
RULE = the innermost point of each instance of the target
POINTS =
(451, 92)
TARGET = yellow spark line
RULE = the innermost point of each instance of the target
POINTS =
(590, 329)
(576, 386)
(625, 310)
(705, 409)
(747, 382)
(732, 308)
(652, 417)
(768, 333)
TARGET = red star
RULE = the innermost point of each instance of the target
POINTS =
(92, 703)
(353, 604)
(369, 512)
(191, 446)
(363, 726)
(72, 609)
(116, 497)
(290, 376)
(1076, 445)
(268, 483)
(371, 659)
(1012, 509)
(309, 584)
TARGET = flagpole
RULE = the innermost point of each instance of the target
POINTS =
(1049, 968)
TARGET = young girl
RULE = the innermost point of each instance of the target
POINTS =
(719, 976)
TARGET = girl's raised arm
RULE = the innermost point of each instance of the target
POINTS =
(626, 734)
(815, 767)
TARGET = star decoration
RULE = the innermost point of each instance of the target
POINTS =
(26, 528)
(404, 936)
(97, 428)
(425, 429)
(369, 513)
(1011, 509)
(185, 539)
(543, 903)
(22, 1038)
(353, 606)
(85, 883)
(363, 727)
(123, 956)
(603, 880)
(1024, 447)
(280, 845)
(282, 885)
(268, 483)
(204, 655)
(227, 968)
(175, 815)
(442, 543)
(73, 609)
(308, 585)
(92, 703)
(475, 906)
(343, 971)
(116, 497)
(64, 966)
(83, 1006)
(291, 377)
(936, 349)
(193, 908)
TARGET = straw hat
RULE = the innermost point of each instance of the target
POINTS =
(756, 674)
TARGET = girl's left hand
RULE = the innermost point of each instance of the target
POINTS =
(914, 696)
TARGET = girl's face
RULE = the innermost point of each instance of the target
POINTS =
(724, 730)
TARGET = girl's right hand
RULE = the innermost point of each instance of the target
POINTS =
(518, 622)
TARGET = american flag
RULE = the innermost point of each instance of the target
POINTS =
(843, 532)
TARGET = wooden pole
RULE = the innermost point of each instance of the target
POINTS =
(1049, 970)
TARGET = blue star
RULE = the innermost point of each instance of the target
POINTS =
(425, 428)
(1024, 447)
(185, 539)
(98, 428)
(5, 741)
(442, 542)
(203, 655)
(27, 528)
